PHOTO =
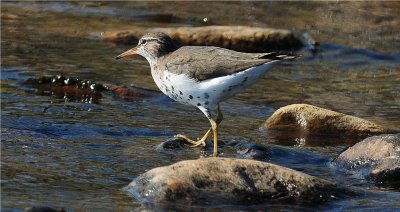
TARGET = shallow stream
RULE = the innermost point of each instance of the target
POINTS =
(78, 155)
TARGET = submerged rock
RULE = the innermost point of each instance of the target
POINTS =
(304, 119)
(240, 38)
(173, 143)
(74, 89)
(130, 92)
(253, 151)
(43, 209)
(228, 180)
(69, 88)
(377, 157)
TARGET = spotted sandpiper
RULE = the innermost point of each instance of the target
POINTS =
(201, 76)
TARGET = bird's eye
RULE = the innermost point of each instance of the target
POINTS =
(143, 42)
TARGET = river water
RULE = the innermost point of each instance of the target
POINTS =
(79, 155)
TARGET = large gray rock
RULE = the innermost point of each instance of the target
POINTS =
(229, 180)
(240, 38)
(376, 157)
(307, 119)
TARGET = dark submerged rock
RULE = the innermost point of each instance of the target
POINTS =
(179, 143)
(43, 209)
(75, 89)
(240, 38)
(376, 157)
(71, 89)
(304, 120)
(253, 151)
(228, 180)
(173, 143)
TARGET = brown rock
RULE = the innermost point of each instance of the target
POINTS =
(240, 38)
(43, 209)
(228, 180)
(130, 37)
(8, 16)
(378, 157)
(306, 119)
(75, 89)
(129, 92)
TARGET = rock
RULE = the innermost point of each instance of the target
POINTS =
(253, 151)
(8, 16)
(304, 119)
(173, 143)
(229, 180)
(71, 89)
(376, 157)
(130, 93)
(240, 38)
(176, 143)
(43, 209)
(75, 89)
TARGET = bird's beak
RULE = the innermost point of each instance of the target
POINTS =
(130, 53)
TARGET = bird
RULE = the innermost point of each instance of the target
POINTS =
(202, 76)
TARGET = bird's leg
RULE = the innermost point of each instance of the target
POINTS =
(214, 128)
(202, 141)
(208, 133)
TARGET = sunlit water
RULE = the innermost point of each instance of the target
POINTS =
(79, 155)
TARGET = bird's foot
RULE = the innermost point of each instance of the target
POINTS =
(200, 142)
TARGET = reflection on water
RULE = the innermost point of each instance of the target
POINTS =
(69, 153)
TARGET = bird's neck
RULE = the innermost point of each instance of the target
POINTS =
(155, 67)
(153, 63)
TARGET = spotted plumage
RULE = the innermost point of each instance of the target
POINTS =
(211, 74)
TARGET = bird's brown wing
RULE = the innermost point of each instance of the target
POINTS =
(204, 62)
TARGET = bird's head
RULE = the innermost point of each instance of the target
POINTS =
(152, 46)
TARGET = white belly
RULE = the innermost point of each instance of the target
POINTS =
(207, 93)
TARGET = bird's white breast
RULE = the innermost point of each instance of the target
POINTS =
(210, 92)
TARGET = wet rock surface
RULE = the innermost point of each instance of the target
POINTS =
(69, 88)
(172, 143)
(253, 151)
(74, 89)
(304, 120)
(376, 157)
(240, 38)
(227, 180)
(243, 148)
(130, 93)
